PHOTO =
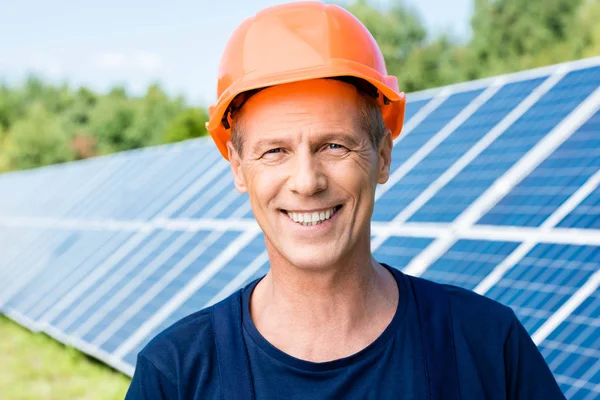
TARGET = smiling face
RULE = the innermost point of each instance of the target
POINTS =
(310, 171)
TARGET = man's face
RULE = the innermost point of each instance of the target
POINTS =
(310, 172)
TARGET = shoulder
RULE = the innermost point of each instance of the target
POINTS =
(184, 353)
(474, 316)
(477, 314)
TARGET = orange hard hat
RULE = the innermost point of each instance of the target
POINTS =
(300, 41)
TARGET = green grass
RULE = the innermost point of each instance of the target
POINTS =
(35, 366)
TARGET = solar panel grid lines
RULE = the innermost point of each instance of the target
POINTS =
(531, 284)
(82, 307)
(18, 279)
(433, 141)
(153, 258)
(125, 276)
(190, 197)
(217, 263)
(567, 308)
(53, 277)
(510, 178)
(421, 114)
(572, 347)
(94, 276)
(219, 188)
(76, 276)
(179, 188)
(477, 148)
(550, 223)
(531, 201)
(138, 301)
(107, 192)
(240, 279)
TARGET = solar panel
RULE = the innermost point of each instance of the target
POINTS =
(494, 187)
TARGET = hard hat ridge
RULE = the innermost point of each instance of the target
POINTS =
(301, 41)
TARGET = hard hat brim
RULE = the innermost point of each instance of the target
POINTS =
(393, 112)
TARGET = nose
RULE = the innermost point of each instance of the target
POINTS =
(306, 177)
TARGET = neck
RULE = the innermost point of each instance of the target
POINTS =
(327, 313)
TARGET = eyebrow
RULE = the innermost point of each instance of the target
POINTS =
(327, 137)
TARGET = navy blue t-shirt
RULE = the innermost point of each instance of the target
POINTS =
(496, 358)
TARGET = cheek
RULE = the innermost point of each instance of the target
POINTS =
(354, 176)
(263, 186)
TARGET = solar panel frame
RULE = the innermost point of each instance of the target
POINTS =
(84, 210)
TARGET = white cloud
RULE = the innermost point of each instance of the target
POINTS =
(140, 60)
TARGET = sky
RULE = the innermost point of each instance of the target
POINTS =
(133, 43)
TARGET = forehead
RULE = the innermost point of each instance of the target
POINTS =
(316, 105)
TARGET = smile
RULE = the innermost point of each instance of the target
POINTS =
(313, 217)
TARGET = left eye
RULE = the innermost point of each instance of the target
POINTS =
(333, 146)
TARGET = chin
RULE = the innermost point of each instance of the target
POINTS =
(309, 257)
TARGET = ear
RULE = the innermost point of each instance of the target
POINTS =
(236, 168)
(384, 157)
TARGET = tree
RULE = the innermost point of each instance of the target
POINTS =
(154, 113)
(510, 35)
(397, 29)
(37, 140)
(110, 119)
(188, 124)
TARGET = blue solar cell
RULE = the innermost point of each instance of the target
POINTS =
(467, 262)
(53, 255)
(552, 182)
(398, 251)
(85, 260)
(513, 144)
(240, 203)
(149, 189)
(219, 182)
(213, 287)
(586, 215)
(105, 196)
(83, 246)
(134, 281)
(412, 107)
(225, 195)
(133, 314)
(544, 279)
(452, 148)
(571, 350)
(436, 120)
(123, 275)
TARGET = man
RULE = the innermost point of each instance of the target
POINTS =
(307, 115)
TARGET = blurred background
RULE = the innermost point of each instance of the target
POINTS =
(80, 80)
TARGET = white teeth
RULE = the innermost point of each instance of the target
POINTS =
(311, 219)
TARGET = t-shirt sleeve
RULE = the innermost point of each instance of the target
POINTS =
(527, 374)
(149, 382)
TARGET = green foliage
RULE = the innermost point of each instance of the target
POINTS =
(398, 31)
(523, 32)
(188, 124)
(37, 140)
(34, 366)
